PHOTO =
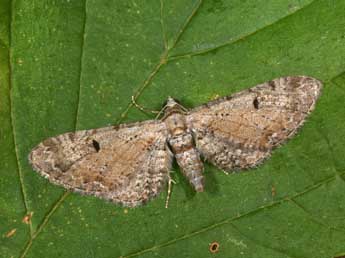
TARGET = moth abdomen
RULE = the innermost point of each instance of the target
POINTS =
(188, 159)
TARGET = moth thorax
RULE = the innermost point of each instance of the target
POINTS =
(176, 124)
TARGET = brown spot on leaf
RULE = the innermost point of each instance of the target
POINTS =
(214, 247)
(273, 190)
(11, 233)
(27, 218)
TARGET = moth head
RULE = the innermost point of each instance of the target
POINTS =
(171, 103)
(172, 106)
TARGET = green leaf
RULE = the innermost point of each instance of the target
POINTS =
(69, 65)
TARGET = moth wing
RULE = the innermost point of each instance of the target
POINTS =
(127, 164)
(239, 131)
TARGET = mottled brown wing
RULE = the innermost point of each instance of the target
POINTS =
(127, 164)
(239, 131)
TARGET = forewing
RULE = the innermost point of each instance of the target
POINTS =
(127, 164)
(239, 131)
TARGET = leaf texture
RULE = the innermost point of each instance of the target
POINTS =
(68, 65)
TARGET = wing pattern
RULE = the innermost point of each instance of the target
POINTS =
(239, 131)
(127, 164)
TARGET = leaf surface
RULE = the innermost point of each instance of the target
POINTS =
(71, 65)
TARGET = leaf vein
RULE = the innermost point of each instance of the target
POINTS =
(33, 235)
(235, 40)
(44, 222)
(12, 122)
(163, 26)
(229, 220)
(80, 67)
(261, 244)
(297, 204)
(163, 60)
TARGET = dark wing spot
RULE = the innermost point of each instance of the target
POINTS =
(96, 145)
(256, 103)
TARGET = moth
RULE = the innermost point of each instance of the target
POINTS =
(130, 163)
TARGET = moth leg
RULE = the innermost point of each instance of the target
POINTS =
(160, 113)
(170, 180)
